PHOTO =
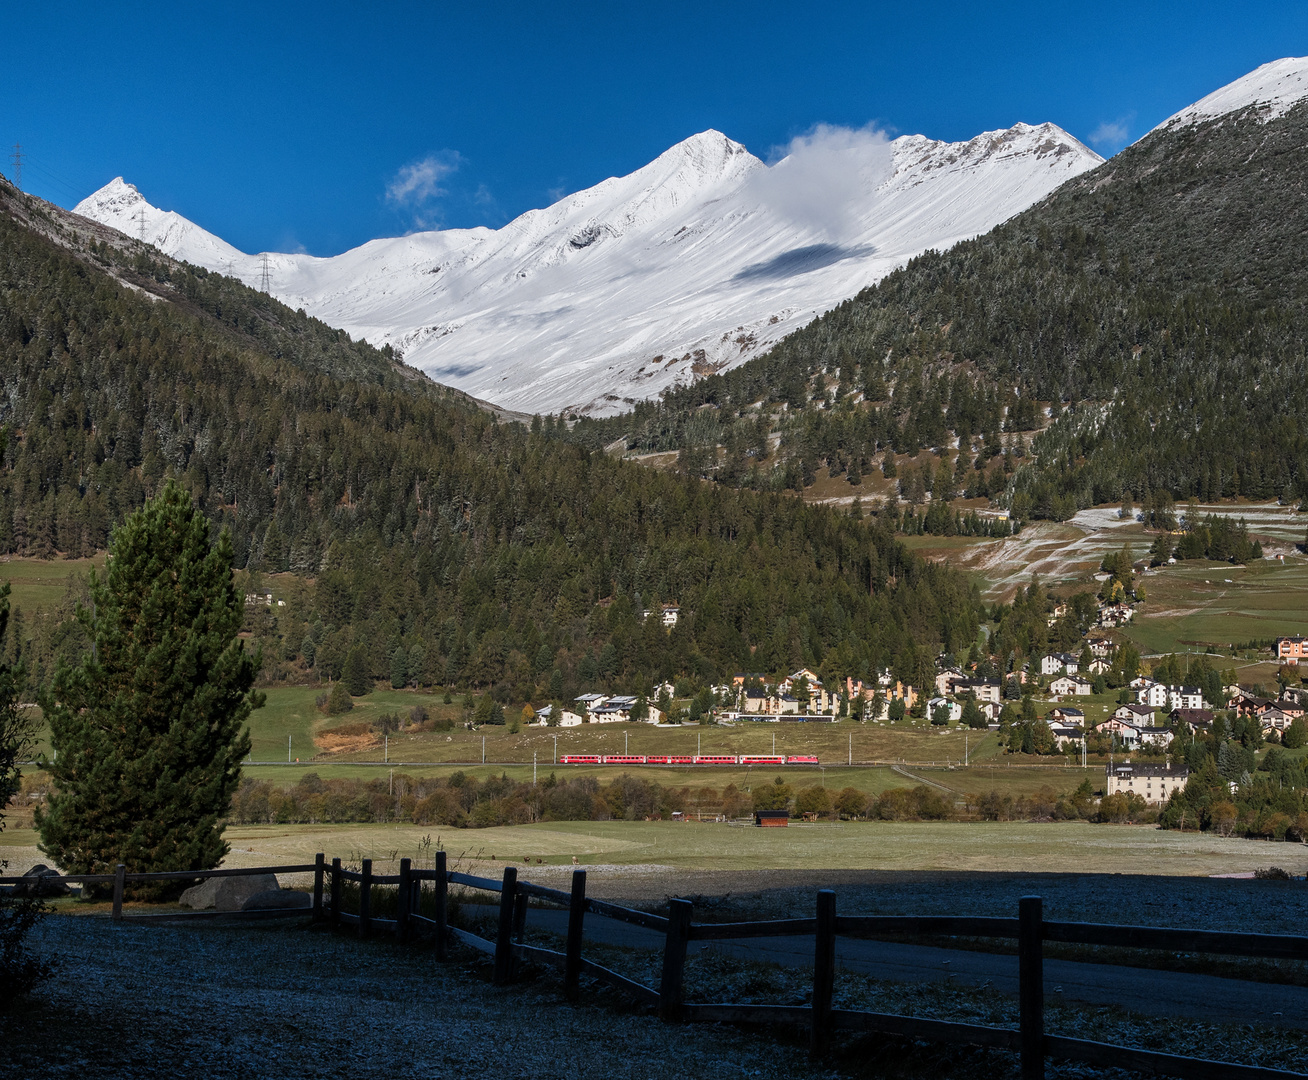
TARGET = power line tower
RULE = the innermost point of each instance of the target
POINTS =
(139, 218)
(263, 281)
(17, 158)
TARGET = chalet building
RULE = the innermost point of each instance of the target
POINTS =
(1065, 714)
(1153, 783)
(954, 708)
(1274, 720)
(1140, 715)
(1195, 719)
(1071, 684)
(1065, 734)
(947, 679)
(1131, 736)
(982, 690)
(1101, 646)
(1059, 662)
(1290, 650)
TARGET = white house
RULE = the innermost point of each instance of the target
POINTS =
(1154, 695)
(1140, 715)
(1064, 734)
(1185, 697)
(1153, 783)
(955, 709)
(1056, 662)
(1100, 646)
(1070, 684)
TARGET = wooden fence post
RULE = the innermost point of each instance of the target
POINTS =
(337, 883)
(403, 901)
(572, 951)
(674, 959)
(504, 938)
(319, 864)
(120, 880)
(442, 886)
(1031, 986)
(520, 905)
(365, 899)
(824, 972)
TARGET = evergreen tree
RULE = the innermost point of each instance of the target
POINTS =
(355, 674)
(338, 701)
(148, 731)
(17, 726)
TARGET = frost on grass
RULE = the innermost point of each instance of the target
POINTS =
(716, 978)
(258, 1000)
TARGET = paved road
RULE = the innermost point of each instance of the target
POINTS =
(1141, 990)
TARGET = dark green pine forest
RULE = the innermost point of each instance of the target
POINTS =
(1150, 315)
(429, 541)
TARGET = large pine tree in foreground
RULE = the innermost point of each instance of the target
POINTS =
(148, 731)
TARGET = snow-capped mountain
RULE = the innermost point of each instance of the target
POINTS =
(1273, 89)
(692, 264)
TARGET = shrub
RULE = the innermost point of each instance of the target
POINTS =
(338, 701)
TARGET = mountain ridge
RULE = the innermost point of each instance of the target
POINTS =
(691, 264)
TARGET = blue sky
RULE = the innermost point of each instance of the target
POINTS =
(317, 126)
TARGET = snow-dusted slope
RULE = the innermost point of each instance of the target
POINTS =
(689, 265)
(1273, 88)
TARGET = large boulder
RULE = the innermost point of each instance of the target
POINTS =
(276, 900)
(227, 893)
(41, 881)
(200, 897)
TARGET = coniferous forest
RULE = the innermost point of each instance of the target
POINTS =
(1149, 316)
(484, 553)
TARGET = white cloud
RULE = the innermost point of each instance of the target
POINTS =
(420, 182)
(824, 178)
(1111, 135)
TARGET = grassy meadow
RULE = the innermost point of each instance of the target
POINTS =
(617, 847)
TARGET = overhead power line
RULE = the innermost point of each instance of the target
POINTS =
(17, 158)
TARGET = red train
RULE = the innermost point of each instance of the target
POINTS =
(697, 759)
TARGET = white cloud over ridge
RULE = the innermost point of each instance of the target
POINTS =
(420, 182)
(823, 178)
(1111, 135)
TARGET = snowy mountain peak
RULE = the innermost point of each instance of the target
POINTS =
(689, 265)
(122, 206)
(1273, 89)
(1045, 143)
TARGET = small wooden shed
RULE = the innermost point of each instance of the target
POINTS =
(772, 817)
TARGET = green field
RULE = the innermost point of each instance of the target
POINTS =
(37, 585)
(1069, 847)
(1218, 604)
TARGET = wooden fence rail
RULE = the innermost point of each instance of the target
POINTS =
(508, 952)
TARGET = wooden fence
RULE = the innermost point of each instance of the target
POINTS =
(508, 951)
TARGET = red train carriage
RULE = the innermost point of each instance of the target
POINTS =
(579, 759)
(680, 760)
(714, 759)
(802, 759)
(624, 759)
(763, 759)
(652, 759)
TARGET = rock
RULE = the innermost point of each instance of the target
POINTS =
(227, 893)
(200, 897)
(41, 881)
(275, 899)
